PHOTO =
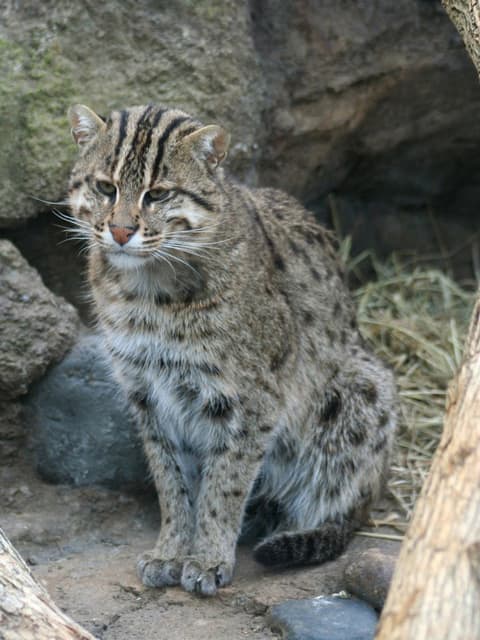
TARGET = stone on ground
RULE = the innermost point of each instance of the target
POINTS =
(81, 430)
(324, 618)
(368, 576)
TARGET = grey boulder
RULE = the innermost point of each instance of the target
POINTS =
(81, 432)
(37, 326)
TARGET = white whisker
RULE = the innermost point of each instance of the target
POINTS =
(211, 244)
(160, 256)
(190, 231)
(192, 250)
(70, 219)
(196, 245)
(59, 203)
(74, 230)
(173, 257)
(84, 250)
(74, 239)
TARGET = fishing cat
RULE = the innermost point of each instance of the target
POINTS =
(234, 342)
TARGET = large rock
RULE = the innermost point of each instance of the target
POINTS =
(37, 327)
(370, 98)
(199, 55)
(83, 435)
(373, 100)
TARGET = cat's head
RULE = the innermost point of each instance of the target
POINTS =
(145, 184)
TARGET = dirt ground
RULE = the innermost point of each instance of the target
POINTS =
(82, 545)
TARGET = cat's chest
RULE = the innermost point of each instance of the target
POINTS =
(185, 381)
(141, 333)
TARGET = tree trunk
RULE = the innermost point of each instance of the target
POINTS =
(26, 610)
(465, 15)
(435, 592)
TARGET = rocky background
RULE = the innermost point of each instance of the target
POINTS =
(366, 111)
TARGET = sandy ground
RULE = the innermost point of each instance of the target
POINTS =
(82, 545)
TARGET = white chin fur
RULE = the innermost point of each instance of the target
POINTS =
(122, 260)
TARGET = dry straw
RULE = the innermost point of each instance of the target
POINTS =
(416, 320)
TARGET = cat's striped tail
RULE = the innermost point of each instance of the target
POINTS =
(312, 546)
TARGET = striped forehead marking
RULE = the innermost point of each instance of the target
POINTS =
(134, 160)
(122, 133)
(172, 125)
(135, 140)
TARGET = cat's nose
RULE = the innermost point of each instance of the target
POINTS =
(122, 235)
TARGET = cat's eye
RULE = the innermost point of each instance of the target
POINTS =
(106, 188)
(157, 195)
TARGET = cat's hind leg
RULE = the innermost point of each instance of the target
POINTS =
(326, 474)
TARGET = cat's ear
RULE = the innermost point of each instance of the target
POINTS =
(209, 144)
(85, 124)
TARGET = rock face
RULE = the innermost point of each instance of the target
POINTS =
(366, 97)
(80, 430)
(370, 100)
(37, 327)
(11, 432)
(199, 55)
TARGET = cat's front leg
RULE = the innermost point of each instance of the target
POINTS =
(228, 476)
(162, 566)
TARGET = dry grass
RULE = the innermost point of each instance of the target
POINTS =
(416, 320)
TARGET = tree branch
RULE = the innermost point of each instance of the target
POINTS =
(26, 610)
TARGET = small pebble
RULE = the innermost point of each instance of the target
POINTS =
(368, 576)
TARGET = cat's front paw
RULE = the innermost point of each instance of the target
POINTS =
(199, 578)
(158, 572)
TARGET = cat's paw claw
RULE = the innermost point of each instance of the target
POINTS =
(205, 582)
(155, 572)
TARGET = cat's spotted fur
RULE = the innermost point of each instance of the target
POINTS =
(234, 340)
